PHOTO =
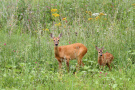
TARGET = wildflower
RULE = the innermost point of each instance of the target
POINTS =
(64, 26)
(53, 10)
(105, 74)
(105, 18)
(95, 14)
(100, 72)
(89, 12)
(99, 76)
(59, 24)
(64, 18)
(66, 21)
(90, 18)
(35, 62)
(97, 17)
(55, 15)
(14, 50)
(133, 4)
(46, 29)
(4, 43)
(69, 42)
(101, 14)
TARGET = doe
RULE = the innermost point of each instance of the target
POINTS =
(68, 52)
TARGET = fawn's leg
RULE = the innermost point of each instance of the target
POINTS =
(60, 64)
(108, 66)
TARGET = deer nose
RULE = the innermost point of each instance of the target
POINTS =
(100, 55)
(56, 44)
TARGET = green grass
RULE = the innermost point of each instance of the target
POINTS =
(27, 51)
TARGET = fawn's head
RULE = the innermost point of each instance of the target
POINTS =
(100, 51)
(56, 39)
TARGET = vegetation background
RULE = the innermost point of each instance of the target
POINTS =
(27, 52)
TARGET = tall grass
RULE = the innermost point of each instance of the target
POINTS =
(27, 52)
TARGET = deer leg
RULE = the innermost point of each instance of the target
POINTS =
(67, 62)
(60, 64)
(108, 66)
(80, 61)
(100, 67)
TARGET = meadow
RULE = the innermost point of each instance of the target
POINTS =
(27, 58)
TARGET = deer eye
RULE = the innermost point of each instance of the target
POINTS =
(58, 40)
(98, 52)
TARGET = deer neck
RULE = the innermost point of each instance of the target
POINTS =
(56, 49)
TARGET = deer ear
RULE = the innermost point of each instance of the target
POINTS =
(60, 35)
(51, 35)
(102, 48)
(97, 48)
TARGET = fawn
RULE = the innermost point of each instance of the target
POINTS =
(68, 52)
(104, 59)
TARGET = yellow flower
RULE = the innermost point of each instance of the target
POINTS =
(46, 29)
(97, 17)
(63, 18)
(90, 18)
(59, 24)
(53, 10)
(64, 26)
(105, 18)
(101, 14)
(133, 4)
(55, 15)
(89, 12)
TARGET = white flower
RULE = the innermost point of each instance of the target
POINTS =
(95, 14)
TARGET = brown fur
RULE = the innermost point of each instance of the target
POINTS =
(69, 52)
(105, 59)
